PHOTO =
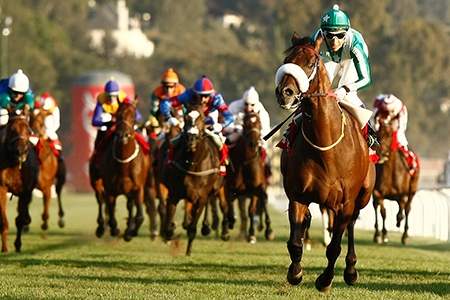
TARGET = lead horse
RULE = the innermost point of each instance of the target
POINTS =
(327, 161)
(120, 169)
(394, 181)
(19, 172)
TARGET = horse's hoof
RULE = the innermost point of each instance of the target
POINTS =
(377, 240)
(206, 230)
(99, 232)
(308, 246)
(270, 236)
(44, 226)
(351, 279)
(252, 239)
(294, 279)
(127, 237)
(26, 228)
(321, 287)
(62, 222)
(405, 240)
(115, 231)
(154, 234)
(385, 239)
(225, 237)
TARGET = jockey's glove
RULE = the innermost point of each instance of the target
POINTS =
(340, 92)
(173, 121)
(106, 117)
(217, 127)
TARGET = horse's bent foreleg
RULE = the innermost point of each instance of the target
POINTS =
(299, 221)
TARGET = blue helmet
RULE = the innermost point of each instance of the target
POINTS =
(203, 86)
(112, 86)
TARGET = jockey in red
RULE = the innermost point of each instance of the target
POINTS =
(388, 107)
(52, 120)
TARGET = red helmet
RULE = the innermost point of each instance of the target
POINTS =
(203, 86)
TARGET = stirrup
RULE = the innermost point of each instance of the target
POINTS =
(373, 143)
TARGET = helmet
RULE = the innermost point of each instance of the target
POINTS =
(46, 101)
(19, 82)
(203, 86)
(251, 96)
(170, 77)
(112, 87)
(390, 102)
(335, 19)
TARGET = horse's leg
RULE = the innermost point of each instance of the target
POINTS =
(192, 227)
(377, 235)
(383, 218)
(162, 193)
(150, 206)
(131, 221)
(46, 198)
(299, 221)
(324, 281)
(351, 275)
(60, 181)
(206, 230)
(215, 213)
(325, 226)
(224, 207)
(188, 207)
(23, 218)
(251, 215)
(169, 225)
(4, 225)
(243, 214)
(405, 237)
(99, 195)
(268, 234)
(112, 222)
(231, 216)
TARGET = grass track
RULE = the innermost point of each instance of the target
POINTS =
(71, 263)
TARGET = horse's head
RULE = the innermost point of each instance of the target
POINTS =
(126, 116)
(252, 130)
(37, 121)
(385, 135)
(194, 125)
(17, 135)
(300, 72)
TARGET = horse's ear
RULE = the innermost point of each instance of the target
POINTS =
(295, 37)
(136, 100)
(318, 42)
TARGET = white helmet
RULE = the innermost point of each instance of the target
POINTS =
(251, 96)
(19, 82)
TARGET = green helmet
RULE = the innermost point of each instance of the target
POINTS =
(335, 19)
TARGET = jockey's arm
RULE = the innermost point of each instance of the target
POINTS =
(100, 117)
(52, 121)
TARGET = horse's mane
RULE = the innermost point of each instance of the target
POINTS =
(304, 41)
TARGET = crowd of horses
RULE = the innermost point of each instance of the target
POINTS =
(327, 162)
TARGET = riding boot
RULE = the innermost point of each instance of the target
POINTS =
(372, 139)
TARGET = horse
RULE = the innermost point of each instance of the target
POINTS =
(121, 169)
(52, 168)
(325, 161)
(193, 174)
(19, 172)
(156, 188)
(394, 181)
(245, 178)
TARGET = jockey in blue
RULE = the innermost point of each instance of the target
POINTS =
(15, 92)
(346, 55)
(213, 103)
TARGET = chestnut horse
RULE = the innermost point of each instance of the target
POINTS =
(121, 170)
(327, 162)
(245, 178)
(394, 181)
(193, 175)
(19, 172)
(52, 168)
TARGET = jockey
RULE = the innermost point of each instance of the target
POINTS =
(169, 87)
(203, 92)
(15, 91)
(346, 55)
(104, 116)
(52, 120)
(250, 103)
